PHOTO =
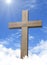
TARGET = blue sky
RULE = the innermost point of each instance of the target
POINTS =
(13, 13)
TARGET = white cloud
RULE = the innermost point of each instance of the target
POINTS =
(10, 56)
(41, 48)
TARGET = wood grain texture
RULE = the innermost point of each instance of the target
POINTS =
(25, 15)
(24, 44)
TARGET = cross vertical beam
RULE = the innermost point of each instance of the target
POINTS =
(24, 45)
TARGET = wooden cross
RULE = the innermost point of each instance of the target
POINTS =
(25, 24)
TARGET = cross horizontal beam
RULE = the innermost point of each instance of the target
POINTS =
(24, 24)
(34, 24)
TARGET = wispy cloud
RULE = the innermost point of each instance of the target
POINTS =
(30, 4)
(35, 4)
(31, 37)
(13, 39)
(44, 29)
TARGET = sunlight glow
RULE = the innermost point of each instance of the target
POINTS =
(8, 1)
